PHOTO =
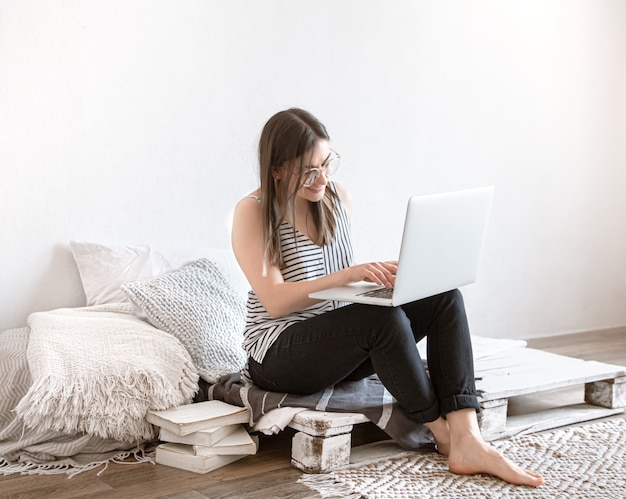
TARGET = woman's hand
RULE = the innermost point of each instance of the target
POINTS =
(381, 273)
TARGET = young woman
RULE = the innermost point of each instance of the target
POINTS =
(291, 237)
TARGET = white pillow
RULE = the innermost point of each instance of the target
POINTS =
(200, 307)
(104, 268)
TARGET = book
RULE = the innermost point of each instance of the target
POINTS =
(239, 442)
(203, 437)
(185, 419)
(181, 456)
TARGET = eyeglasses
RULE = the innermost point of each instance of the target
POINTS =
(331, 165)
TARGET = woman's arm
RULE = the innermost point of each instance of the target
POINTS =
(277, 296)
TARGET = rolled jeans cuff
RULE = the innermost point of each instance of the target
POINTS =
(427, 416)
(458, 402)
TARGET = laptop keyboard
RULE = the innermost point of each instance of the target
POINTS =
(378, 293)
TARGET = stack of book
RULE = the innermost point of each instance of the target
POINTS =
(204, 436)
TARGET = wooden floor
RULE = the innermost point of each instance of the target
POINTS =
(269, 473)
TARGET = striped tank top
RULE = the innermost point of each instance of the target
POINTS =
(304, 260)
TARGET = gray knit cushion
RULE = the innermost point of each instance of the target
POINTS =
(200, 307)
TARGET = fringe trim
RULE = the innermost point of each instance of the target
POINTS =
(329, 486)
(139, 456)
(113, 407)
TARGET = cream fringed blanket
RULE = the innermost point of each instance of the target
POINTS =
(97, 370)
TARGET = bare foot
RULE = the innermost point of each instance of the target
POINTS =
(441, 432)
(475, 457)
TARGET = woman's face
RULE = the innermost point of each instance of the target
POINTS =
(318, 157)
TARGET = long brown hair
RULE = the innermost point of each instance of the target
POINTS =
(287, 141)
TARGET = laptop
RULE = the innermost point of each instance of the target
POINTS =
(442, 243)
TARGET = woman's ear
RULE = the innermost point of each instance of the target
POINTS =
(276, 173)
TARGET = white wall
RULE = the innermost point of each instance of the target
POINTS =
(137, 121)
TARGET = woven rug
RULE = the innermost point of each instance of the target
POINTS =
(587, 461)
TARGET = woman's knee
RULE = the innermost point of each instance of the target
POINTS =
(452, 299)
(393, 317)
(454, 295)
(452, 311)
(375, 324)
(393, 322)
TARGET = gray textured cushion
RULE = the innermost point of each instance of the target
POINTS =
(199, 306)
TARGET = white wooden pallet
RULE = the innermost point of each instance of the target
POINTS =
(523, 371)
(323, 439)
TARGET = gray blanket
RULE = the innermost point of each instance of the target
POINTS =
(367, 397)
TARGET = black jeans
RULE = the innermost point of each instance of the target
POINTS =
(356, 341)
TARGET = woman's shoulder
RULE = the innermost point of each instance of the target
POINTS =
(251, 200)
(256, 195)
(344, 196)
(249, 205)
(342, 191)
